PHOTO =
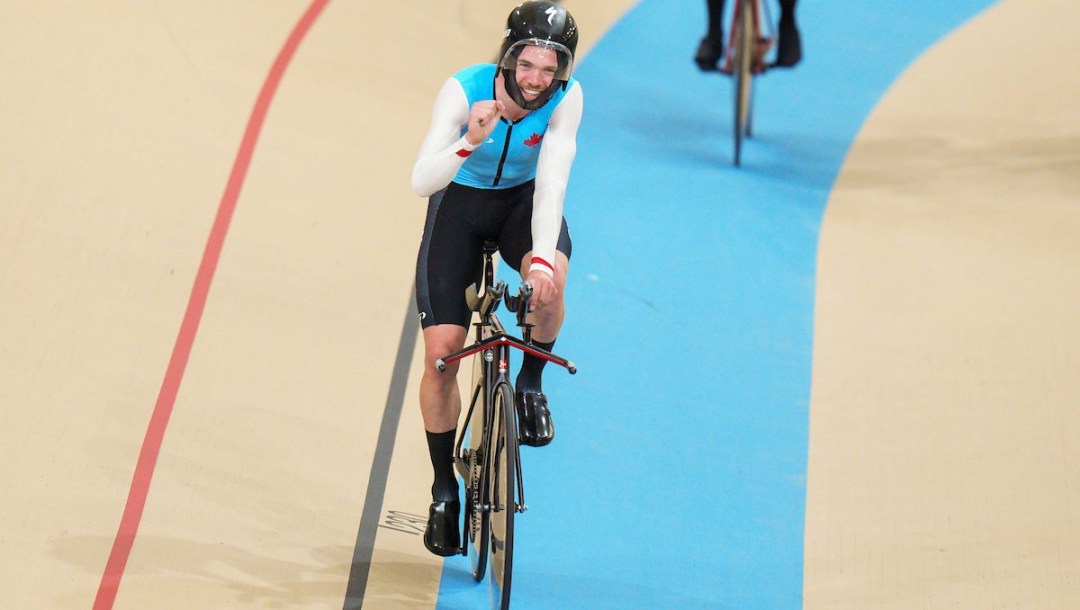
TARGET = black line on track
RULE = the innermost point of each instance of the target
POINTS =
(380, 465)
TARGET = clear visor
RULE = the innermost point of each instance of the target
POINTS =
(544, 55)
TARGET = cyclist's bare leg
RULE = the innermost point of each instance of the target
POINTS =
(440, 404)
(440, 401)
(534, 422)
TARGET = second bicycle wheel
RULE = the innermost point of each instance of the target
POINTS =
(504, 495)
(744, 75)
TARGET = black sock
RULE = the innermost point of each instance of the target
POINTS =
(441, 448)
(787, 11)
(532, 367)
(715, 9)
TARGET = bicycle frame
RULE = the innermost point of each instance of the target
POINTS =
(744, 58)
(494, 353)
(762, 34)
(493, 345)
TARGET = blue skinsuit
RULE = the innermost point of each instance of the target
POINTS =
(508, 157)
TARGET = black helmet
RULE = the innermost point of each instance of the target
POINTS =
(544, 24)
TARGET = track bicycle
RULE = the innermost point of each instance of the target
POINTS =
(752, 35)
(487, 455)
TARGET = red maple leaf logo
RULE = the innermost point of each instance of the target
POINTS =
(533, 140)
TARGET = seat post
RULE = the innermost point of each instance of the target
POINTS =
(490, 248)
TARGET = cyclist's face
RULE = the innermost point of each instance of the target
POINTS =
(536, 67)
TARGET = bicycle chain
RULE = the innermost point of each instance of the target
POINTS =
(474, 485)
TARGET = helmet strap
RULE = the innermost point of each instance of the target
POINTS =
(515, 93)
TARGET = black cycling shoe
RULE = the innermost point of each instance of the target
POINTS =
(442, 535)
(789, 48)
(709, 53)
(535, 427)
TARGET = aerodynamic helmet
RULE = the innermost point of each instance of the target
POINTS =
(544, 24)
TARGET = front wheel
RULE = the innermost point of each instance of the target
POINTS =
(503, 494)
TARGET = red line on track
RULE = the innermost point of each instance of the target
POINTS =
(170, 386)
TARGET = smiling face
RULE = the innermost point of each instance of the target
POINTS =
(535, 70)
(531, 71)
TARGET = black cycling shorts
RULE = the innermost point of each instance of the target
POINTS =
(459, 220)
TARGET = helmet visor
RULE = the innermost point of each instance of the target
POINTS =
(548, 56)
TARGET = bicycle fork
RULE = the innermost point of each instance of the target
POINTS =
(502, 356)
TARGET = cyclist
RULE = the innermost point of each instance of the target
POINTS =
(711, 48)
(495, 164)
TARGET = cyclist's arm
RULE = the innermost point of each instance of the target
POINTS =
(439, 160)
(552, 175)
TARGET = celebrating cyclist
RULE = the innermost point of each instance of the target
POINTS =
(711, 48)
(495, 164)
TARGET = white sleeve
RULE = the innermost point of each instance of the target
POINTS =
(552, 175)
(439, 161)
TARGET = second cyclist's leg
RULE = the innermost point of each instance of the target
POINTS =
(789, 49)
(711, 47)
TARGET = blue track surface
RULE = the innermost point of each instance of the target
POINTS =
(677, 478)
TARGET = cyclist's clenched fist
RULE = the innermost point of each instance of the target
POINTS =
(482, 120)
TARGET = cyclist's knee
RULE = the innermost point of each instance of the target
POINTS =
(562, 267)
(441, 341)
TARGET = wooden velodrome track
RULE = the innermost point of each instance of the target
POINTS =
(946, 353)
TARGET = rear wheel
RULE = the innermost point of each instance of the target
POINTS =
(744, 75)
(477, 520)
(504, 495)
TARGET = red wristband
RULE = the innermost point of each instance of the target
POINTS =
(464, 153)
(537, 260)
